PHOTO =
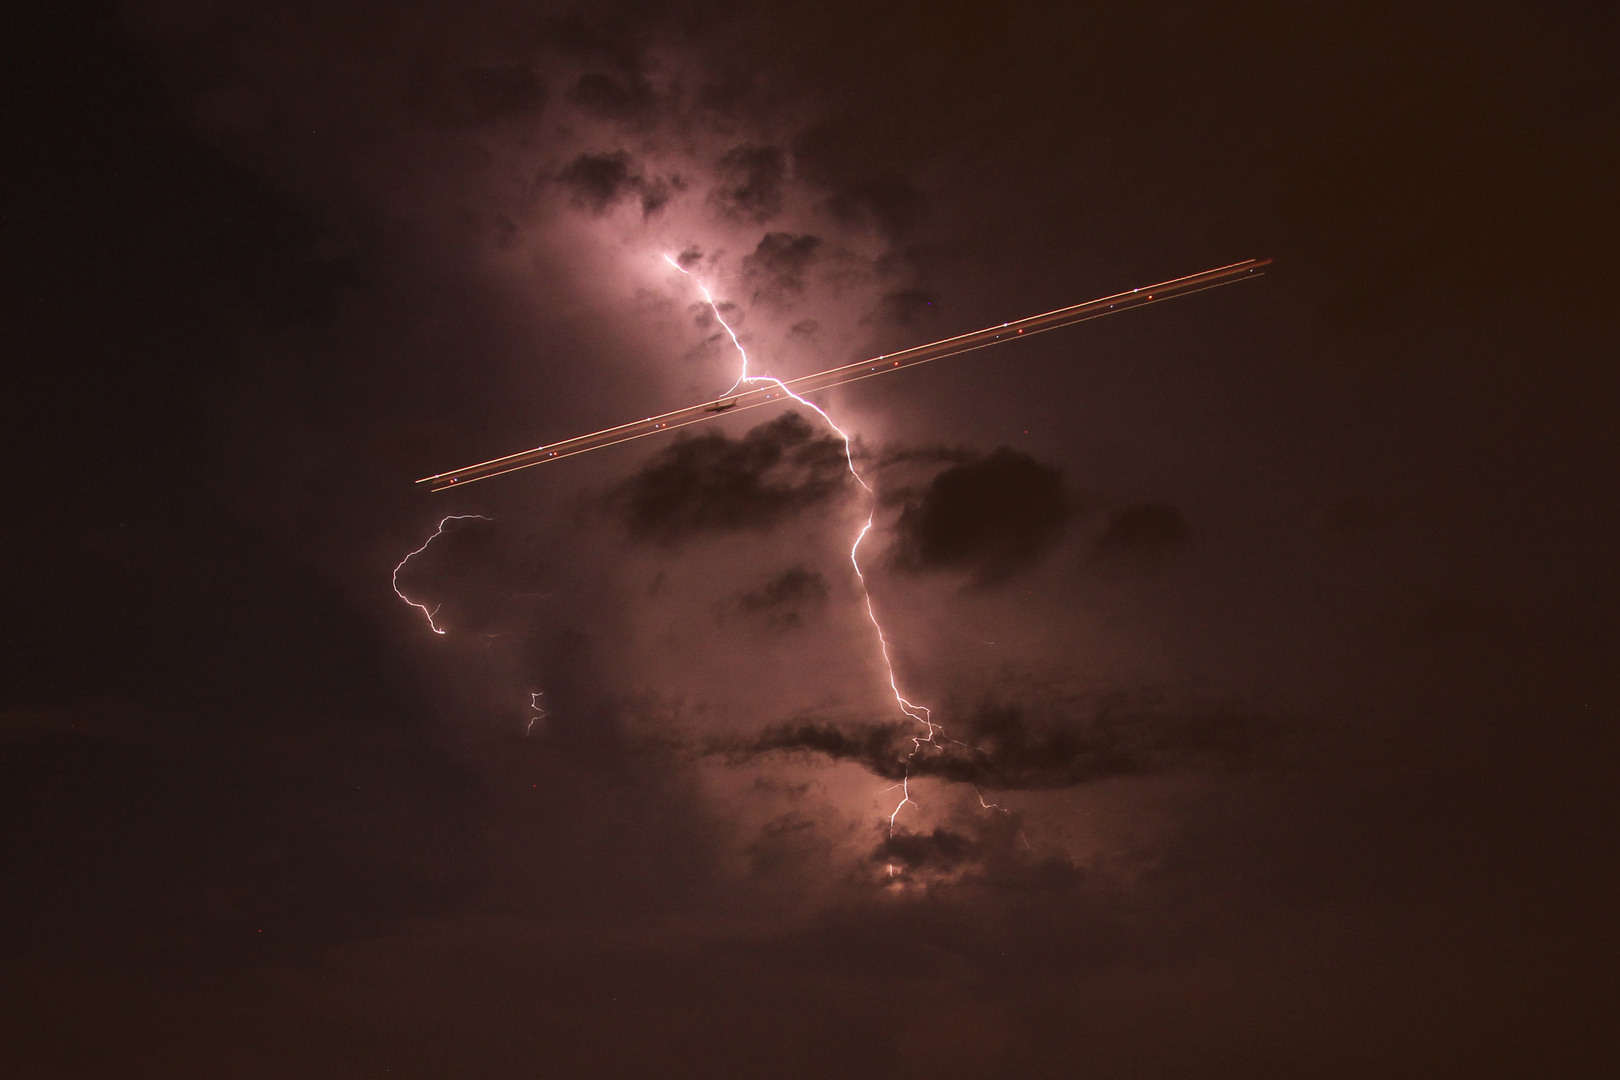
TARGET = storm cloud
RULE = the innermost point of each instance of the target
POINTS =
(598, 182)
(715, 484)
(940, 849)
(752, 181)
(989, 518)
(1066, 742)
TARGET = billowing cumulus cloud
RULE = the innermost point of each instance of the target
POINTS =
(714, 484)
(752, 179)
(598, 182)
(779, 264)
(989, 518)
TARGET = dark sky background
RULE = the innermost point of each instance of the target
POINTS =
(1277, 625)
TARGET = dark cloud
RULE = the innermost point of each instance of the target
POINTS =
(752, 182)
(657, 192)
(991, 518)
(1044, 744)
(598, 182)
(779, 263)
(937, 454)
(1143, 532)
(614, 98)
(714, 484)
(785, 598)
(795, 585)
(941, 849)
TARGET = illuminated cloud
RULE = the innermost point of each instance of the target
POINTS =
(752, 180)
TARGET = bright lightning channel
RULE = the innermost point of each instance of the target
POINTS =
(423, 608)
(919, 713)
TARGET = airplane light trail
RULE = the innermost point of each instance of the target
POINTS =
(769, 391)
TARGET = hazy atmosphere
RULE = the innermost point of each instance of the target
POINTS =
(1221, 688)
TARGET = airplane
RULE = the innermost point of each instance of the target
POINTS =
(773, 392)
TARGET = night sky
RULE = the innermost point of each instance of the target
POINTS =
(1271, 632)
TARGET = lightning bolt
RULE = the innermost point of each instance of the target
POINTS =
(930, 732)
(765, 390)
(919, 713)
(423, 608)
(535, 695)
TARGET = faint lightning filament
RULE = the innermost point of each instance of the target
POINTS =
(423, 608)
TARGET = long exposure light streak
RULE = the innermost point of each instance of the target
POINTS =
(774, 391)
